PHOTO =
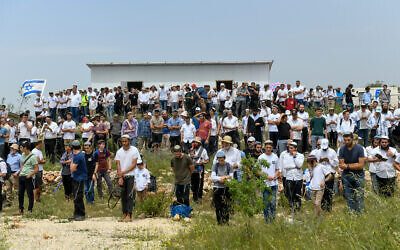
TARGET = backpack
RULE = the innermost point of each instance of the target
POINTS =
(8, 174)
(98, 153)
(228, 168)
(341, 120)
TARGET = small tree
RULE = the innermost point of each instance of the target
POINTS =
(246, 193)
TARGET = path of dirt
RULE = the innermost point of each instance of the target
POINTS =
(94, 233)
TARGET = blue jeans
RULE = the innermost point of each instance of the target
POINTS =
(353, 184)
(175, 105)
(53, 113)
(182, 193)
(269, 196)
(110, 112)
(75, 114)
(374, 183)
(282, 145)
(364, 134)
(133, 141)
(163, 104)
(318, 104)
(300, 101)
(314, 139)
(89, 190)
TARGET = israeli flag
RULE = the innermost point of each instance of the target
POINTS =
(33, 86)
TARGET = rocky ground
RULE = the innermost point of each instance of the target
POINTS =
(95, 233)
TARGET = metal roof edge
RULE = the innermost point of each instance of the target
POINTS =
(178, 63)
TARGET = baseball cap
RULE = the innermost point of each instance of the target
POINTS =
(251, 139)
(324, 144)
(220, 154)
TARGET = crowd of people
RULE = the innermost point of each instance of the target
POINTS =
(86, 130)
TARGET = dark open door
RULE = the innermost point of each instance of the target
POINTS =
(228, 84)
(135, 85)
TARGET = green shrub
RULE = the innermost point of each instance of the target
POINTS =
(155, 205)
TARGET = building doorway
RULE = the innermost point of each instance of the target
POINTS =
(135, 85)
(228, 84)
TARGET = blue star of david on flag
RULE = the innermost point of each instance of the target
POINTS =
(33, 86)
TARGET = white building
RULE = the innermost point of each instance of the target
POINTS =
(138, 75)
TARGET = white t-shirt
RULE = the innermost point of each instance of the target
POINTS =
(86, 126)
(125, 158)
(40, 107)
(222, 94)
(332, 127)
(273, 118)
(143, 98)
(295, 123)
(69, 125)
(273, 161)
(47, 134)
(34, 134)
(93, 103)
(23, 130)
(39, 154)
(153, 96)
(75, 100)
(163, 94)
(371, 155)
(52, 102)
(318, 176)
(62, 99)
(366, 114)
(3, 169)
(230, 122)
(299, 96)
(228, 104)
(142, 178)
(188, 132)
(304, 116)
(282, 92)
(174, 96)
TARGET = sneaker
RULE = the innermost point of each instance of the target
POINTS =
(80, 218)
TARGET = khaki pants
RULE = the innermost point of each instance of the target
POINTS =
(165, 143)
(143, 143)
(92, 112)
(141, 195)
(331, 103)
(12, 187)
(316, 196)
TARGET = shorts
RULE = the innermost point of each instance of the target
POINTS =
(156, 138)
(38, 179)
(316, 196)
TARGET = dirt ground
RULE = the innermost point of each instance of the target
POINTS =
(94, 233)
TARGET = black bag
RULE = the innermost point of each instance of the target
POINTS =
(8, 174)
(153, 184)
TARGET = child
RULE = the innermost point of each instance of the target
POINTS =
(102, 158)
(221, 172)
(142, 180)
(317, 183)
(228, 102)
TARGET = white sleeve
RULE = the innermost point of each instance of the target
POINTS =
(299, 160)
(214, 177)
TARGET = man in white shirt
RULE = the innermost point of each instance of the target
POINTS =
(267, 95)
(62, 105)
(232, 155)
(329, 159)
(126, 158)
(222, 94)
(296, 125)
(364, 114)
(272, 126)
(346, 125)
(49, 132)
(385, 157)
(282, 95)
(144, 100)
(75, 101)
(188, 133)
(371, 163)
(24, 129)
(164, 96)
(52, 105)
(299, 93)
(174, 98)
(292, 164)
(332, 121)
(377, 123)
(231, 126)
(68, 128)
(39, 175)
(272, 174)
(38, 106)
(109, 100)
(241, 99)
(302, 114)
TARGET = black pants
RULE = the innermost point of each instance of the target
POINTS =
(50, 148)
(68, 185)
(304, 139)
(294, 193)
(174, 140)
(197, 185)
(221, 107)
(222, 202)
(79, 205)
(128, 195)
(116, 141)
(273, 136)
(235, 137)
(212, 144)
(182, 193)
(326, 203)
(386, 186)
(1, 196)
(332, 137)
(60, 147)
(63, 113)
(285, 188)
(144, 108)
(28, 185)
